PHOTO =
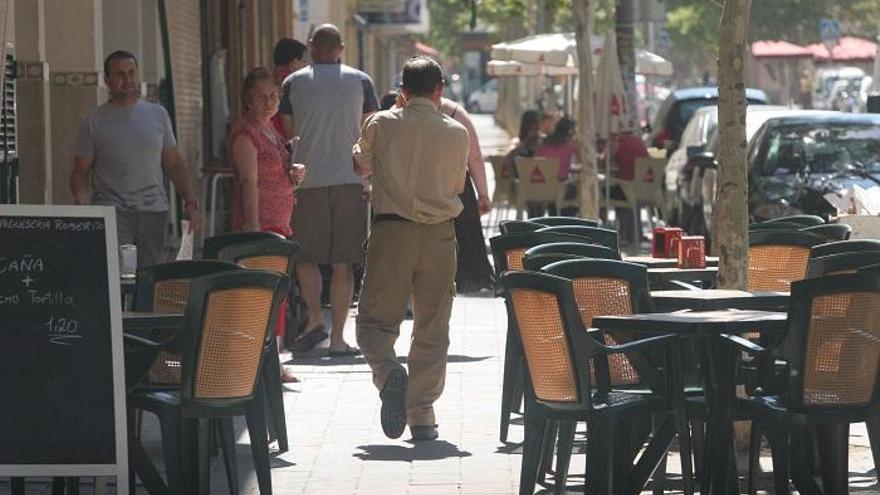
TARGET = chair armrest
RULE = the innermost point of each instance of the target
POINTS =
(744, 345)
(139, 341)
(636, 344)
(684, 285)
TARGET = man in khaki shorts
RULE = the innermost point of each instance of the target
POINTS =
(324, 104)
(417, 157)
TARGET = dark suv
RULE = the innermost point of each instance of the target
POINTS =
(678, 108)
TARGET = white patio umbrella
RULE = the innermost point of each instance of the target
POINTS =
(560, 50)
(612, 111)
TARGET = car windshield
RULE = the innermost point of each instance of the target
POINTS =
(821, 148)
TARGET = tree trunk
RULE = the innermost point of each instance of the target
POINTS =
(587, 142)
(731, 207)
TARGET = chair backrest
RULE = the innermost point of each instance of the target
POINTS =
(274, 255)
(213, 245)
(510, 226)
(508, 249)
(779, 257)
(850, 246)
(538, 180)
(536, 262)
(231, 317)
(604, 237)
(835, 264)
(832, 345)
(560, 220)
(503, 192)
(647, 183)
(831, 231)
(754, 227)
(165, 288)
(556, 346)
(608, 287)
(804, 220)
(574, 248)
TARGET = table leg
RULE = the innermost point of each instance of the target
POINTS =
(834, 457)
(720, 469)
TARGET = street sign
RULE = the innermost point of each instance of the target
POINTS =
(382, 6)
(829, 32)
(663, 39)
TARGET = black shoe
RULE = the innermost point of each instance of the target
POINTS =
(423, 432)
(309, 340)
(393, 397)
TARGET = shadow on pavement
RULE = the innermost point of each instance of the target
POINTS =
(420, 451)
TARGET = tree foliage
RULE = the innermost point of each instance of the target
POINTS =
(693, 24)
(504, 19)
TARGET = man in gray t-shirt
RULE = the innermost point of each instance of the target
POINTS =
(122, 148)
(325, 104)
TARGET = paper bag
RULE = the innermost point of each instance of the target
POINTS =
(186, 242)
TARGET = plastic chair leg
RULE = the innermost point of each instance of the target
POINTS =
(58, 485)
(754, 456)
(548, 444)
(226, 432)
(873, 425)
(563, 455)
(203, 453)
(507, 384)
(534, 431)
(274, 394)
(598, 463)
(834, 455)
(256, 422)
(781, 460)
(17, 486)
(170, 426)
(684, 449)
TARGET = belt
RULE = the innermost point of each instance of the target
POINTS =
(390, 217)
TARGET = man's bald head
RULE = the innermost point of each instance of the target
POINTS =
(326, 44)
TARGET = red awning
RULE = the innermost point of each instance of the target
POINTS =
(849, 48)
(426, 50)
(779, 49)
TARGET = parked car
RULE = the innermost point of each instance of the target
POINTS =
(684, 170)
(485, 98)
(678, 108)
(824, 81)
(676, 175)
(795, 157)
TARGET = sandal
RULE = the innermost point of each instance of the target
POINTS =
(307, 341)
(288, 377)
(348, 351)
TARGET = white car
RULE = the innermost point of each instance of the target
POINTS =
(485, 98)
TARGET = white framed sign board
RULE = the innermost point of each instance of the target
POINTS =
(62, 379)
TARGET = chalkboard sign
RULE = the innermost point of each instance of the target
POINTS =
(62, 403)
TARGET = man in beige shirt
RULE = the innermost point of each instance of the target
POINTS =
(417, 158)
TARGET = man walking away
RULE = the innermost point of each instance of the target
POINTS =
(417, 158)
(122, 148)
(325, 104)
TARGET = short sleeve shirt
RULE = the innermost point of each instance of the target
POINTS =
(126, 144)
(327, 103)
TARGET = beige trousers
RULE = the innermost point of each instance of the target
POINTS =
(409, 259)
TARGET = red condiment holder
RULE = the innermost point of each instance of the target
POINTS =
(663, 241)
(691, 251)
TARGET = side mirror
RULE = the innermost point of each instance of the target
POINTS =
(693, 151)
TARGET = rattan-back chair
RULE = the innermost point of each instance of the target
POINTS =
(560, 220)
(511, 226)
(165, 288)
(805, 220)
(277, 256)
(507, 252)
(536, 262)
(835, 264)
(598, 235)
(578, 249)
(212, 246)
(778, 258)
(829, 355)
(558, 351)
(850, 246)
(229, 319)
(831, 231)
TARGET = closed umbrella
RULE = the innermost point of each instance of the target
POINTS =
(612, 111)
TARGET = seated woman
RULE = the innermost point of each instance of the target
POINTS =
(561, 145)
(527, 142)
